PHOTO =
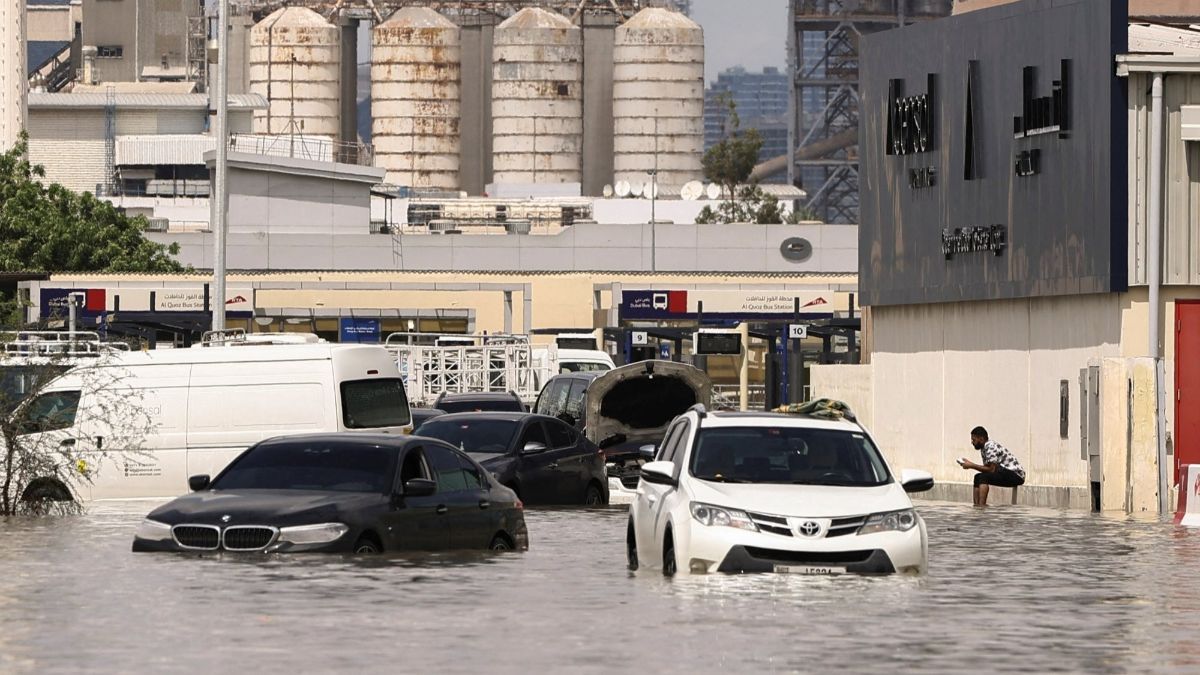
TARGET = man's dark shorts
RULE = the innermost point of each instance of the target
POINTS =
(1001, 477)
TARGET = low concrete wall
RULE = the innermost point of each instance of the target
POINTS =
(851, 384)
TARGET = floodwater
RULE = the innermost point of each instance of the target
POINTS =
(1009, 588)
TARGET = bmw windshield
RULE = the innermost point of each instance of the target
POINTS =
(787, 455)
(312, 465)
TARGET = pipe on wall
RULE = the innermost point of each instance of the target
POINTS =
(1154, 281)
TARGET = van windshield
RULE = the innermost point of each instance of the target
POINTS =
(795, 455)
(582, 367)
(380, 402)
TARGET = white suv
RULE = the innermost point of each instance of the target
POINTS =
(768, 492)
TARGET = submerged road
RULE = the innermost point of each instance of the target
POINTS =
(1009, 588)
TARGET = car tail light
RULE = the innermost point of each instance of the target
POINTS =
(520, 504)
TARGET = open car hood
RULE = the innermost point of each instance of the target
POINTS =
(636, 402)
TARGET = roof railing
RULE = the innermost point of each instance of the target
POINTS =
(58, 343)
(211, 338)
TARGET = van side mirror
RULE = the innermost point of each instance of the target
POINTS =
(200, 482)
(420, 487)
(532, 447)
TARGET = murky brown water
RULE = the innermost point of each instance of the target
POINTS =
(1009, 589)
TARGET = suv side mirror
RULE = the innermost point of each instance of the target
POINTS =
(916, 481)
(648, 450)
(200, 482)
(532, 447)
(659, 473)
(419, 487)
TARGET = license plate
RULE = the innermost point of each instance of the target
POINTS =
(808, 569)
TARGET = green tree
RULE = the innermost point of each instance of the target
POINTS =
(730, 161)
(729, 164)
(51, 228)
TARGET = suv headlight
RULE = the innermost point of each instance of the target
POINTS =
(889, 521)
(707, 514)
(312, 534)
(152, 530)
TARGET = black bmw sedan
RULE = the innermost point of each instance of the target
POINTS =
(360, 493)
(541, 458)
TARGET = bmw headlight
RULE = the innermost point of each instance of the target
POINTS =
(312, 534)
(707, 514)
(152, 530)
(890, 521)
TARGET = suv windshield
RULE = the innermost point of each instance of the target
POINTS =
(322, 465)
(787, 455)
(472, 435)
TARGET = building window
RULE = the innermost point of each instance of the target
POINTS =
(109, 51)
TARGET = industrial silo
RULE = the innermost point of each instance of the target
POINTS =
(658, 98)
(295, 56)
(537, 99)
(415, 98)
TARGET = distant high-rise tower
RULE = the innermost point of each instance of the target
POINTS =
(823, 59)
(14, 78)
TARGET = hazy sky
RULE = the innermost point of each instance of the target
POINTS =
(751, 33)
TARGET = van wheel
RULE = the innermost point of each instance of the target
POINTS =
(631, 553)
(368, 545)
(593, 496)
(669, 555)
(46, 490)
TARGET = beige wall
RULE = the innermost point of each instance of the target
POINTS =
(70, 145)
(939, 370)
(49, 23)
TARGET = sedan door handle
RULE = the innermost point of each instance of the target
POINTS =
(67, 442)
(553, 465)
(441, 509)
(483, 503)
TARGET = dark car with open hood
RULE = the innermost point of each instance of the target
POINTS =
(349, 493)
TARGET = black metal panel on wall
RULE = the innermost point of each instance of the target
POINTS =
(994, 155)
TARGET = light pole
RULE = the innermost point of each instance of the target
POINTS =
(221, 197)
(653, 200)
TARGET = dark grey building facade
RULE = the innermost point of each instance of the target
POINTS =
(993, 155)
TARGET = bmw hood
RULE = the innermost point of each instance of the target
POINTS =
(636, 402)
(261, 507)
(813, 501)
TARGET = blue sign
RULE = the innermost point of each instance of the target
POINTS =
(664, 351)
(351, 329)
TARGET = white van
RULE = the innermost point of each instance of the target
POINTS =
(185, 412)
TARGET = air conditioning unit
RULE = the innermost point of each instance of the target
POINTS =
(517, 226)
(443, 227)
(157, 224)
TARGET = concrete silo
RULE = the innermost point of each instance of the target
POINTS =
(14, 77)
(537, 99)
(416, 98)
(658, 98)
(295, 56)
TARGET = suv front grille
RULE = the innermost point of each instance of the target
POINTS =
(772, 524)
(248, 537)
(809, 557)
(201, 537)
(842, 526)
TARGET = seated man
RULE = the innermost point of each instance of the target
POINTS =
(1000, 467)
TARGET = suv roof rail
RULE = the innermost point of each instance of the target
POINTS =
(701, 411)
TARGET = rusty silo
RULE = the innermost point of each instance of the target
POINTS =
(295, 56)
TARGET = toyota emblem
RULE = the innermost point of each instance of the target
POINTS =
(226, 518)
(809, 529)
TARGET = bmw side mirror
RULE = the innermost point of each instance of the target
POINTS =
(532, 447)
(659, 473)
(419, 487)
(198, 483)
(913, 480)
